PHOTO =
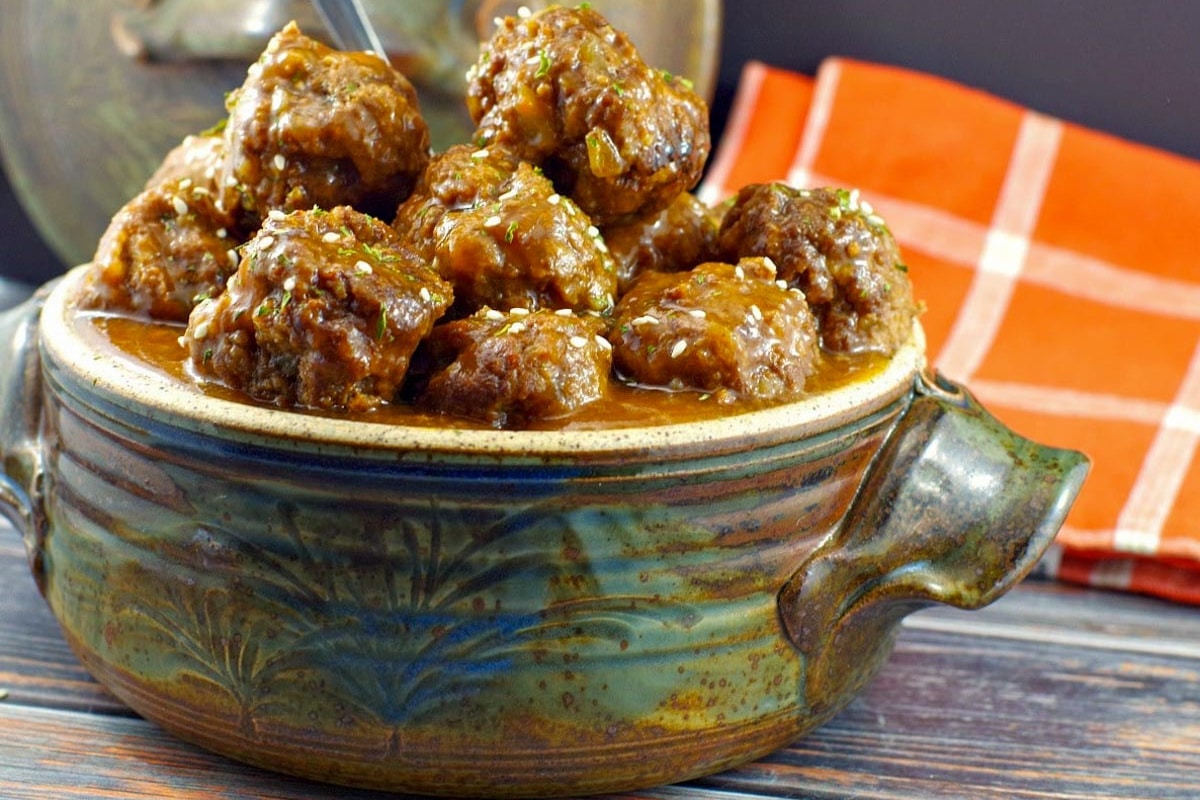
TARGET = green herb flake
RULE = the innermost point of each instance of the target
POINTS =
(217, 129)
(381, 323)
(381, 256)
(543, 64)
(510, 232)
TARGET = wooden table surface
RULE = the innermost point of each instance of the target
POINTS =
(1052, 692)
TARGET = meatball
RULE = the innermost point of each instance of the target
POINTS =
(679, 237)
(461, 177)
(201, 160)
(510, 240)
(516, 368)
(324, 311)
(731, 330)
(570, 93)
(163, 251)
(198, 158)
(314, 127)
(838, 251)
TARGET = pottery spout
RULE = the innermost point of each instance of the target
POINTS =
(955, 509)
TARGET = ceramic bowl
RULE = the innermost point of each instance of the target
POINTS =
(499, 613)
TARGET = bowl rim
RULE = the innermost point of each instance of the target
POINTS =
(136, 389)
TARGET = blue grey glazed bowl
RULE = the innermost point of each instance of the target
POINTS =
(494, 613)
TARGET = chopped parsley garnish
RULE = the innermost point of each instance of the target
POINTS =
(379, 255)
(381, 323)
(217, 129)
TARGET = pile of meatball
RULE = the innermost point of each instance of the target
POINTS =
(321, 256)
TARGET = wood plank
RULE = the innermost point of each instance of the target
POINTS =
(954, 716)
(1050, 611)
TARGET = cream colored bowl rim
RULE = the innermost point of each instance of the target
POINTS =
(144, 390)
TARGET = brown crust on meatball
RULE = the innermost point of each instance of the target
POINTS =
(567, 91)
(324, 311)
(723, 328)
(681, 236)
(512, 368)
(832, 246)
(164, 251)
(313, 127)
(509, 241)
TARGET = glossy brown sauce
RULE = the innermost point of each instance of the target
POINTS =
(156, 344)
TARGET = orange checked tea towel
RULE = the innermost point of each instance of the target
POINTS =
(1060, 269)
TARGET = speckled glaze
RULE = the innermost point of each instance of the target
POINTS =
(500, 613)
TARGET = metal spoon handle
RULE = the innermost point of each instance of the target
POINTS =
(349, 26)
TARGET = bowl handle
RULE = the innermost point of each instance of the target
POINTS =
(956, 508)
(20, 424)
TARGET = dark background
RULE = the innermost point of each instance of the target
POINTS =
(1130, 67)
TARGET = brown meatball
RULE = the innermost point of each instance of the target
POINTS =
(199, 158)
(459, 178)
(202, 159)
(721, 328)
(511, 241)
(314, 127)
(516, 368)
(164, 251)
(324, 311)
(679, 237)
(831, 245)
(567, 91)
